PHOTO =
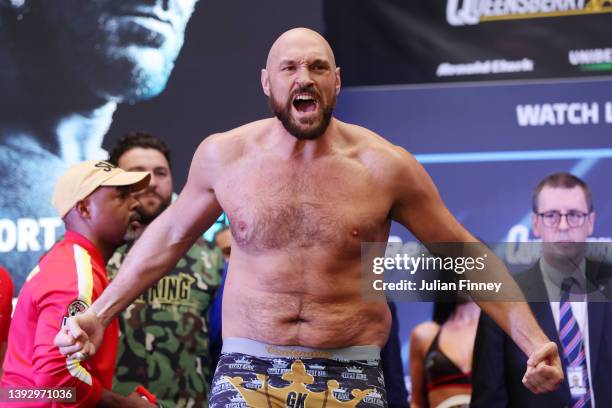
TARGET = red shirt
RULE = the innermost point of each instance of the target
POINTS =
(6, 305)
(65, 282)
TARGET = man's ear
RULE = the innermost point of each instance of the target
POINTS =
(265, 82)
(591, 222)
(535, 225)
(338, 81)
(82, 208)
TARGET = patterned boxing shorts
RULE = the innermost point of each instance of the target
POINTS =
(258, 375)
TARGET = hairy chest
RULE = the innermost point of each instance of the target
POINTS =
(336, 206)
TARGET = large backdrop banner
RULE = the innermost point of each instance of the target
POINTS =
(401, 41)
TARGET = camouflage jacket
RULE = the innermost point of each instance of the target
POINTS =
(164, 341)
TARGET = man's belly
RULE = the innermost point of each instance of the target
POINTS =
(305, 319)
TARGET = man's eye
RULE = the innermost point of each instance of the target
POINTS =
(124, 193)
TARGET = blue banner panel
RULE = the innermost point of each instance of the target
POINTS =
(487, 146)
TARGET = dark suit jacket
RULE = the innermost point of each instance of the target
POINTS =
(499, 365)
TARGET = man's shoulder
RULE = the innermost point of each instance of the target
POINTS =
(60, 256)
(232, 144)
(527, 276)
(362, 137)
(602, 268)
(599, 277)
(373, 150)
(531, 283)
(5, 278)
(55, 271)
(6, 287)
(423, 334)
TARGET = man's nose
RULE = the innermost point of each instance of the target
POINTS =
(133, 204)
(303, 77)
(152, 182)
(563, 225)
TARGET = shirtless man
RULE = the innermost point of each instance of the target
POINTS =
(302, 191)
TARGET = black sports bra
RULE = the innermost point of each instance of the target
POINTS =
(440, 371)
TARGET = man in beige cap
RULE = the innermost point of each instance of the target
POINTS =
(94, 200)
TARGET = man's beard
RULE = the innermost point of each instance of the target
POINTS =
(147, 217)
(283, 113)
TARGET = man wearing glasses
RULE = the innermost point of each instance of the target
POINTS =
(566, 292)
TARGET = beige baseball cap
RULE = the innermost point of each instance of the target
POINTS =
(84, 178)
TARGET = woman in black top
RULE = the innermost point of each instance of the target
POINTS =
(441, 356)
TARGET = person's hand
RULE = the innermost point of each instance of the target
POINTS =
(81, 337)
(544, 372)
(138, 401)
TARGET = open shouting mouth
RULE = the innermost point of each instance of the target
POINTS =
(305, 103)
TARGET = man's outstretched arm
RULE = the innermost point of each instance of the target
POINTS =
(418, 207)
(158, 249)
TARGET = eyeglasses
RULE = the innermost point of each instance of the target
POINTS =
(574, 218)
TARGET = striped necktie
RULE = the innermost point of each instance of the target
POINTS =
(573, 347)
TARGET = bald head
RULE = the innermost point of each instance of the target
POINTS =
(302, 82)
(299, 39)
